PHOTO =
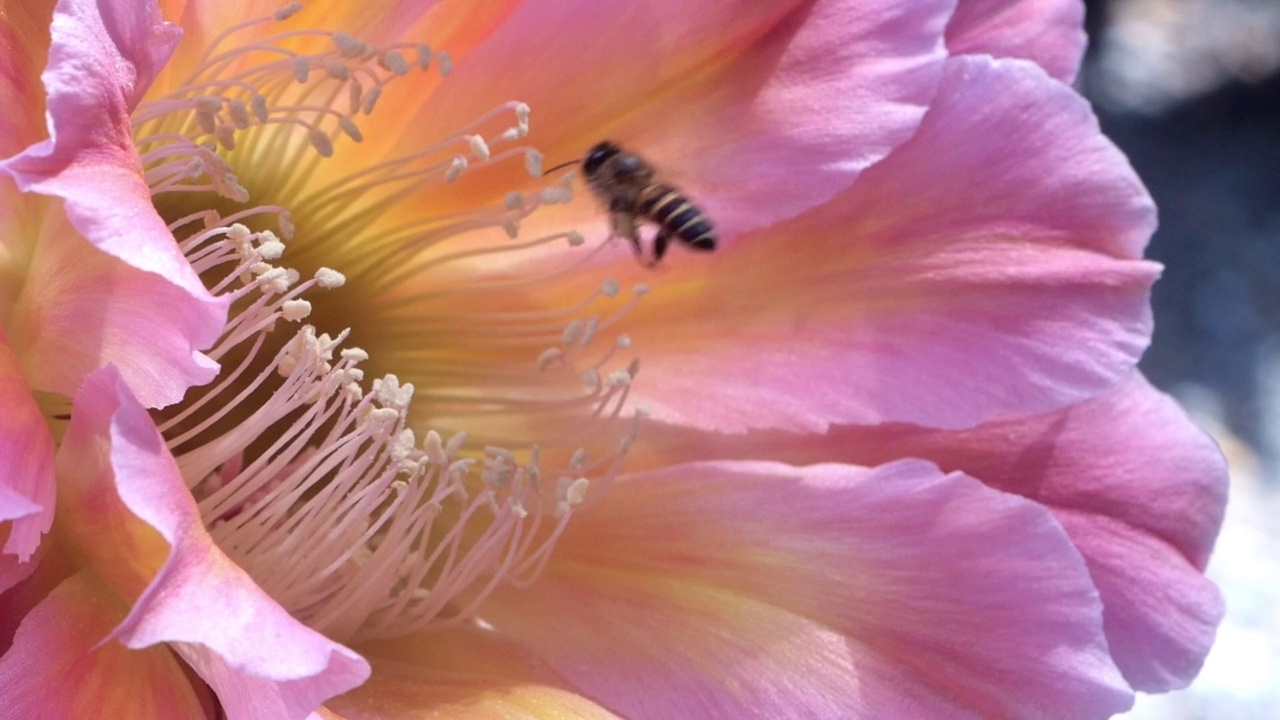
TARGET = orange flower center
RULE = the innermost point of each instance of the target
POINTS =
(344, 501)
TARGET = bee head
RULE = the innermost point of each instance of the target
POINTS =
(598, 155)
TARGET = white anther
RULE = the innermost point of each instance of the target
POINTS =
(404, 445)
(556, 195)
(618, 378)
(522, 116)
(455, 169)
(349, 127)
(301, 69)
(348, 375)
(479, 147)
(208, 104)
(271, 250)
(328, 278)
(577, 491)
(295, 310)
(354, 354)
(511, 228)
(609, 288)
(643, 410)
(206, 122)
(579, 459)
(287, 11)
(549, 356)
(640, 289)
(348, 46)
(571, 332)
(384, 416)
(320, 141)
(589, 331)
(239, 113)
(337, 70)
(623, 342)
(394, 62)
(291, 276)
(533, 163)
(514, 200)
(355, 95)
(459, 469)
(575, 238)
(391, 393)
(434, 449)
(371, 99)
(510, 134)
(591, 378)
(518, 510)
(423, 53)
(455, 443)
(258, 104)
(226, 135)
(446, 63)
(195, 168)
(238, 233)
(274, 280)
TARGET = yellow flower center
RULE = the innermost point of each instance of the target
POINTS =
(344, 499)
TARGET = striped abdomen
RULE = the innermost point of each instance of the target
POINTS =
(673, 212)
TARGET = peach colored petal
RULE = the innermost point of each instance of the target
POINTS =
(103, 57)
(465, 673)
(58, 666)
(1048, 32)
(737, 100)
(27, 482)
(132, 518)
(24, 43)
(977, 270)
(758, 589)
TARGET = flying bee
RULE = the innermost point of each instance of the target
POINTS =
(630, 187)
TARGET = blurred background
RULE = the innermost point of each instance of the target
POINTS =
(1190, 89)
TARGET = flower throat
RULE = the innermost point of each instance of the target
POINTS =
(376, 508)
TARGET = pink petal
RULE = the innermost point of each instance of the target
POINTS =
(1048, 32)
(1140, 490)
(746, 103)
(977, 270)
(104, 55)
(26, 462)
(763, 590)
(57, 669)
(128, 500)
(81, 309)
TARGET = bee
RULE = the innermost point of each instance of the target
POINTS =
(631, 188)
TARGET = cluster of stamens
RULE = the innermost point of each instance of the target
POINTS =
(339, 500)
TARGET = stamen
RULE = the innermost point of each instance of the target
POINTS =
(312, 483)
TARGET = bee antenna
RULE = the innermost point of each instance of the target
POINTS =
(566, 164)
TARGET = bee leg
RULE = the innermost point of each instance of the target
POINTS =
(624, 225)
(660, 243)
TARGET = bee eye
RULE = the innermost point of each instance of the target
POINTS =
(628, 166)
(594, 161)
